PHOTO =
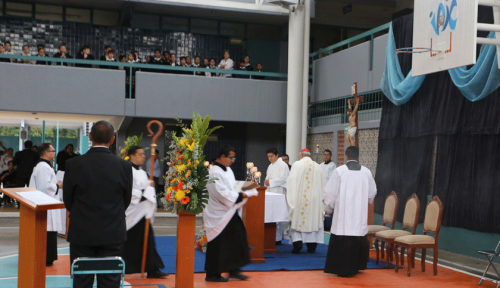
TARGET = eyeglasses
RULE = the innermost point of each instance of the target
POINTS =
(232, 158)
(51, 151)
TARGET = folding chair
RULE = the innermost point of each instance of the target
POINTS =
(105, 265)
(490, 255)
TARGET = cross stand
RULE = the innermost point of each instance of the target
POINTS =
(354, 90)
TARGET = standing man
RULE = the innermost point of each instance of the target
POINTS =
(328, 166)
(276, 176)
(97, 191)
(306, 186)
(25, 161)
(227, 248)
(44, 179)
(226, 63)
(64, 155)
(286, 159)
(350, 188)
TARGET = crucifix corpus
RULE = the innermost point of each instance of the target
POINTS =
(352, 136)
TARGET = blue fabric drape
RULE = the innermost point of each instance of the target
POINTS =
(481, 79)
(475, 83)
(396, 87)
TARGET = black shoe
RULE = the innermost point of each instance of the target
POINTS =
(216, 279)
(297, 246)
(278, 243)
(238, 276)
(157, 274)
(48, 264)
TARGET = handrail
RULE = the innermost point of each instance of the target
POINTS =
(352, 39)
(145, 66)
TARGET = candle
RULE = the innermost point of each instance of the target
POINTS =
(249, 165)
(253, 169)
(257, 174)
(206, 163)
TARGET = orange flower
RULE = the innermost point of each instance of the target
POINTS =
(180, 157)
(180, 186)
(168, 197)
(204, 239)
(188, 173)
(185, 200)
(172, 164)
(175, 188)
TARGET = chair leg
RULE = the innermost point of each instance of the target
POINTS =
(397, 257)
(413, 258)
(435, 261)
(408, 260)
(383, 246)
(376, 251)
(389, 249)
(424, 251)
(402, 256)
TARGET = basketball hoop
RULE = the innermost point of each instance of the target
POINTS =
(410, 50)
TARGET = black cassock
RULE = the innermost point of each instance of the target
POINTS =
(133, 250)
(229, 251)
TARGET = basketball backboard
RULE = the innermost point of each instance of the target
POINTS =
(448, 28)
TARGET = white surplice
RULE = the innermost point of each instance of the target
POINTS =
(350, 191)
(305, 193)
(221, 205)
(44, 179)
(277, 174)
(328, 169)
(139, 209)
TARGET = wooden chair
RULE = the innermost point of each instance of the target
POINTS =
(432, 224)
(389, 218)
(410, 221)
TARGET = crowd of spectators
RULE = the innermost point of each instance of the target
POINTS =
(158, 58)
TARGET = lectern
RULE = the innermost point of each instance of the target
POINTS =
(253, 217)
(32, 239)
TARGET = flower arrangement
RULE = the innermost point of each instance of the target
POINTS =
(201, 240)
(187, 176)
(129, 142)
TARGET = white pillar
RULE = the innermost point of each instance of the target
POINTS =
(295, 82)
(305, 87)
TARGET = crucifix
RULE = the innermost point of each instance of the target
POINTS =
(352, 137)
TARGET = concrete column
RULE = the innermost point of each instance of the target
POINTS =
(295, 83)
(305, 87)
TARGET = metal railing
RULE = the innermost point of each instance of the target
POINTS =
(334, 111)
(371, 33)
(148, 67)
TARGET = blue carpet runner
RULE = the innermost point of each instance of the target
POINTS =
(283, 260)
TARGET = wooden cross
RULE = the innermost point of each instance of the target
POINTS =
(354, 90)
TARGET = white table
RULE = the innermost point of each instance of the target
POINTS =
(276, 208)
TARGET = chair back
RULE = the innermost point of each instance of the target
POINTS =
(412, 209)
(390, 209)
(433, 216)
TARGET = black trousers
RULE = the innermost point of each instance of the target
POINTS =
(51, 247)
(103, 280)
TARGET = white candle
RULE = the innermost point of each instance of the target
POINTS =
(249, 165)
(257, 174)
(206, 163)
(253, 169)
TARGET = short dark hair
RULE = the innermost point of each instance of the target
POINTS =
(211, 59)
(10, 162)
(225, 150)
(157, 50)
(1, 44)
(69, 145)
(258, 64)
(111, 51)
(85, 47)
(28, 144)
(188, 57)
(352, 152)
(106, 47)
(166, 52)
(25, 46)
(242, 61)
(173, 54)
(40, 45)
(43, 148)
(122, 57)
(102, 132)
(272, 150)
(197, 57)
(40, 48)
(328, 150)
(285, 155)
(133, 149)
(62, 46)
(183, 58)
(7, 42)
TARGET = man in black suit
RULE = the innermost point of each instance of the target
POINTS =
(97, 191)
(25, 161)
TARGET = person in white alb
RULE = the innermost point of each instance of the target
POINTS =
(276, 176)
(328, 166)
(227, 247)
(306, 185)
(44, 179)
(350, 188)
(226, 63)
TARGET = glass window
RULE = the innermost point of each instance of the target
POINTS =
(147, 21)
(1, 8)
(106, 17)
(175, 24)
(18, 9)
(271, 32)
(48, 12)
(78, 15)
(232, 29)
(204, 26)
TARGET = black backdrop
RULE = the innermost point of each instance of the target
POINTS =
(467, 176)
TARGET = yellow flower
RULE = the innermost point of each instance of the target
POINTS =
(197, 162)
(181, 168)
(179, 195)
(169, 189)
(126, 158)
(187, 191)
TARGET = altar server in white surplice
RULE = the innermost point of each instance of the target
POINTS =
(350, 188)
(328, 166)
(227, 248)
(306, 186)
(276, 176)
(142, 207)
(44, 179)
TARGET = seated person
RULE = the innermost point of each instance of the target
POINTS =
(2, 51)
(41, 53)
(241, 67)
(259, 69)
(62, 53)
(211, 66)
